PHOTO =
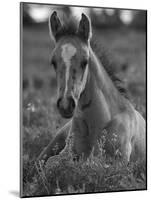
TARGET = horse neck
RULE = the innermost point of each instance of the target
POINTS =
(99, 82)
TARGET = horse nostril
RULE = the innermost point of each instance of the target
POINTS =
(71, 104)
(58, 103)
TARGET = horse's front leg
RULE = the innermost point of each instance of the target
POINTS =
(56, 145)
(80, 141)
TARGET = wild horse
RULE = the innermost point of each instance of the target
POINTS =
(90, 96)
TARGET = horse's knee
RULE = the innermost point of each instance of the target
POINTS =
(55, 146)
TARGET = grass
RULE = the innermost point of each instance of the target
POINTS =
(41, 119)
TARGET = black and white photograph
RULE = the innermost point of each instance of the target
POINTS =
(83, 74)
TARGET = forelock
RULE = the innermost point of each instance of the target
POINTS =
(69, 29)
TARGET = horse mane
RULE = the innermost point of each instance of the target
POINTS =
(109, 63)
(69, 28)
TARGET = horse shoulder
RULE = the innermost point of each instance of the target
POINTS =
(119, 123)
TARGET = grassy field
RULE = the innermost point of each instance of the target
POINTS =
(41, 119)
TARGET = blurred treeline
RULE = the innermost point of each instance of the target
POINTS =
(100, 17)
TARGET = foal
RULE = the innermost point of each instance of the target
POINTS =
(88, 95)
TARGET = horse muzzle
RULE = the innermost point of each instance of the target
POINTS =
(66, 107)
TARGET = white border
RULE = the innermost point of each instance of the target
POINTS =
(9, 97)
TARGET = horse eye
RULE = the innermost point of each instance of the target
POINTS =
(84, 64)
(53, 62)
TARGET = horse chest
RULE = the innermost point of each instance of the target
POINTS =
(97, 115)
(87, 126)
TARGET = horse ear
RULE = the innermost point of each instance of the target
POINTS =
(54, 24)
(84, 29)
